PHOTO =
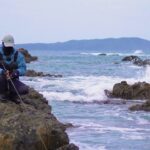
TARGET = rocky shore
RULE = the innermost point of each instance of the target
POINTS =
(137, 91)
(31, 126)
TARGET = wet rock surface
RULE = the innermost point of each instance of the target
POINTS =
(31, 126)
(131, 58)
(145, 106)
(136, 60)
(32, 73)
(69, 147)
(137, 91)
(27, 55)
(102, 54)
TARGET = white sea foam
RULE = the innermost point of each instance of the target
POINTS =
(142, 121)
(81, 88)
(78, 88)
(126, 132)
(138, 52)
(135, 136)
(98, 53)
(146, 75)
(84, 146)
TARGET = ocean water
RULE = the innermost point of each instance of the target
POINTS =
(85, 77)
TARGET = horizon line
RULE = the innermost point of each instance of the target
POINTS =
(81, 40)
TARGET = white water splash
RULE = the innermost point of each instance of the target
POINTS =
(81, 88)
(146, 75)
(138, 52)
(77, 88)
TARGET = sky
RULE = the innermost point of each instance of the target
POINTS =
(47, 21)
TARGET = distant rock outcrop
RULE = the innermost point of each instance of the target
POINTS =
(27, 56)
(31, 126)
(136, 60)
(131, 58)
(32, 73)
(102, 54)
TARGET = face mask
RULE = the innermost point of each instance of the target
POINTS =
(7, 50)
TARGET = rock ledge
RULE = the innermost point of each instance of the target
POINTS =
(33, 128)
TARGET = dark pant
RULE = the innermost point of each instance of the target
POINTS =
(7, 87)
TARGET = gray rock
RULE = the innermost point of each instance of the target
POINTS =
(102, 54)
(131, 58)
(137, 61)
(146, 62)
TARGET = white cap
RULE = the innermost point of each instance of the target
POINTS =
(8, 41)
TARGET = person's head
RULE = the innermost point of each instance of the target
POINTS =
(8, 44)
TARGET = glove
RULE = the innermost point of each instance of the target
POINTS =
(13, 66)
(6, 74)
(15, 74)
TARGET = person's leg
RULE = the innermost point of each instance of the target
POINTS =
(20, 87)
(4, 91)
(3, 85)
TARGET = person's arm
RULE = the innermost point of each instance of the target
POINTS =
(21, 64)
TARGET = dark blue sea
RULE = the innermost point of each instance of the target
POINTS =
(86, 74)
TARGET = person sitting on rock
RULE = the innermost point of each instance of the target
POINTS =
(12, 65)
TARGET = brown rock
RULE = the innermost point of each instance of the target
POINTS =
(32, 73)
(122, 90)
(140, 90)
(34, 128)
(69, 147)
(145, 106)
(27, 56)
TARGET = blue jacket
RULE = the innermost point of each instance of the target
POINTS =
(20, 62)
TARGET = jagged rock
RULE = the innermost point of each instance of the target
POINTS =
(32, 73)
(102, 54)
(140, 90)
(131, 58)
(146, 62)
(145, 106)
(122, 90)
(27, 56)
(69, 147)
(68, 125)
(142, 62)
(116, 63)
(137, 61)
(31, 125)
